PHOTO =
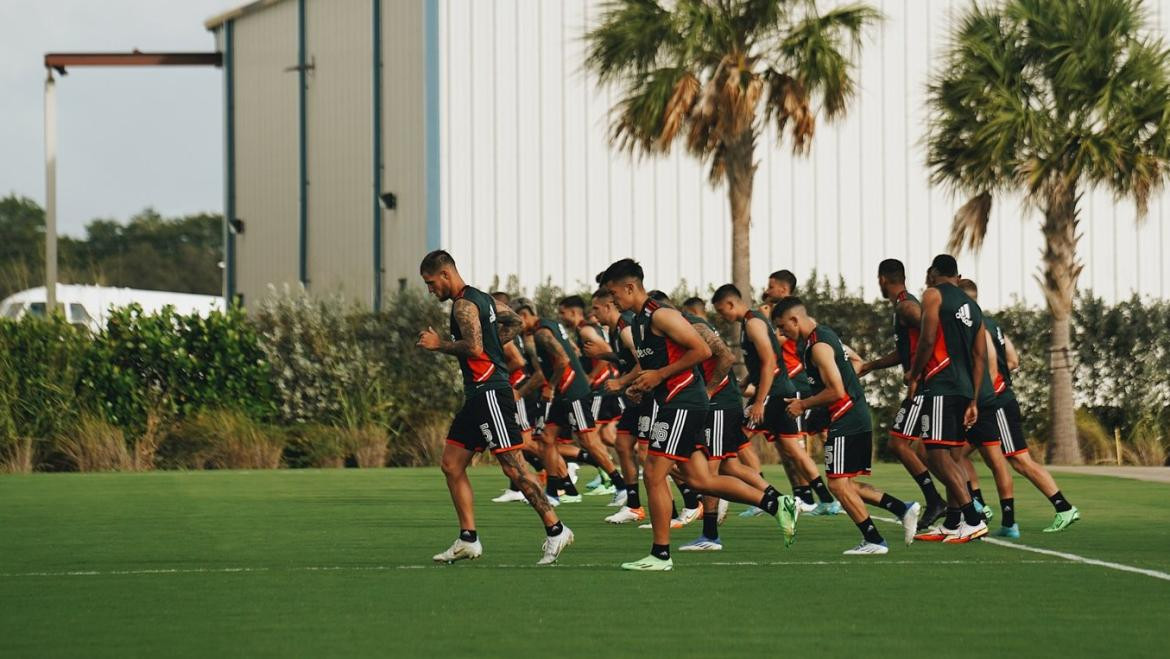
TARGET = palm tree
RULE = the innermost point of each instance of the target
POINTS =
(1048, 100)
(699, 69)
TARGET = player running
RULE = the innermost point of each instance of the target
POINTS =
(903, 434)
(849, 448)
(948, 369)
(479, 328)
(1011, 431)
(670, 351)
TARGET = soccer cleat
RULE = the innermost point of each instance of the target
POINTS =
(936, 534)
(1012, 531)
(967, 533)
(934, 512)
(868, 549)
(604, 489)
(1064, 520)
(830, 508)
(460, 550)
(553, 501)
(555, 545)
(786, 516)
(595, 483)
(805, 508)
(619, 499)
(983, 510)
(752, 512)
(509, 496)
(570, 498)
(702, 543)
(573, 469)
(910, 521)
(687, 516)
(650, 564)
(626, 515)
(723, 506)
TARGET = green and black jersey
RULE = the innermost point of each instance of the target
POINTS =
(949, 370)
(588, 363)
(626, 359)
(683, 390)
(905, 337)
(489, 369)
(1003, 378)
(573, 385)
(727, 395)
(849, 415)
(781, 385)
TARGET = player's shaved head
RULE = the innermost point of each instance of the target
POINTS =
(785, 277)
(787, 316)
(659, 296)
(501, 296)
(622, 270)
(945, 265)
(435, 261)
(968, 286)
(790, 304)
(724, 292)
(893, 270)
(572, 302)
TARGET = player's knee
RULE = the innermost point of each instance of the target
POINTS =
(451, 467)
(838, 485)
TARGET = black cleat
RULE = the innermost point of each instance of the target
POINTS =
(933, 513)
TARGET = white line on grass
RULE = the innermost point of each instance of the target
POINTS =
(1060, 554)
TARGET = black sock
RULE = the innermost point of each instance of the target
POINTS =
(771, 501)
(772, 490)
(632, 498)
(660, 551)
(513, 486)
(972, 517)
(568, 487)
(551, 485)
(870, 532)
(821, 489)
(468, 535)
(586, 457)
(1059, 502)
(536, 462)
(804, 493)
(615, 477)
(954, 516)
(894, 505)
(1008, 506)
(554, 530)
(711, 526)
(690, 497)
(926, 484)
(976, 494)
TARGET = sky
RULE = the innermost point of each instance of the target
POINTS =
(129, 138)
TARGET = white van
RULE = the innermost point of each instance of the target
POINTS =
(90, 305)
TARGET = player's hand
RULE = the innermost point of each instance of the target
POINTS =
(756, 412)
(647, 380)
(428, 339)
(635, 396)
(795, 407)
(863, 370)
(972, 414)
(595, 349)
(612, 386)
(912, 390)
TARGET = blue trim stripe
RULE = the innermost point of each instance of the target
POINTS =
(434, 239)
(377, 183)
(229, 155)
(302, 73)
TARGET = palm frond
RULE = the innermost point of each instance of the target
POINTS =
(969, 226)
(631, 37)
(819, 51)
(646, 106)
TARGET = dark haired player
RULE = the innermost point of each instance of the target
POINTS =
(849, 448)
(479, 328)
(670, 351)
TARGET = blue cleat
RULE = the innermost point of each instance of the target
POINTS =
(1012, 531)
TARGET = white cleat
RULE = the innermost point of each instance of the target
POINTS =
(703, 543)
(625, 515)
(553, 501)
(619, 499)
(804, 508)
(867, 549)
(555, 545)
(460, 551)
(687, 516)
(967, 533)
(910, 522)
(573, 469)
(509, 496)
(723, 506)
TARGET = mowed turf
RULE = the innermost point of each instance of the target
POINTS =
(338, 563)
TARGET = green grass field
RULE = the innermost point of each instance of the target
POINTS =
(311, 563)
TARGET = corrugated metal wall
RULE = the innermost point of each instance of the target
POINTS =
(266, 149)
(530, 186)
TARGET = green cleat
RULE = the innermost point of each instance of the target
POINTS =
(786, 518)
(1064, 520)
(650, 564)
(570, 498)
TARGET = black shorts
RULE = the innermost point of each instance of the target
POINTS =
(940, 423)
(538, 413)
(628, 424)
(777, 422)
(487, 421)
(1011, 428)
(646, 413)
(847, 456)
(608, 409)
(986, 431)
(906, 420)
(816, 421)
(677, 434)
(526, 412)
(576, 415)
(724, 434)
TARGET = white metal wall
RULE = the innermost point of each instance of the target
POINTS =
(530, 186)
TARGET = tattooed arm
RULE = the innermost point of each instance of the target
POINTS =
(471, 345)
(720, 352)
(508, 323)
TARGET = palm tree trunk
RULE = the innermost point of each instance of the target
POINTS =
(1061, 270)
(741, 171)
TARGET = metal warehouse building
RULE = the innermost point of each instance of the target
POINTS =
(362, 133)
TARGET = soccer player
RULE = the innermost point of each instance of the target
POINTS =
(849, 449)
(948, 369)
(571, 395)
(903, 434)
(479, 328)
(669, 352)
(696, 306)
(1010, 423)
(762, 353)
